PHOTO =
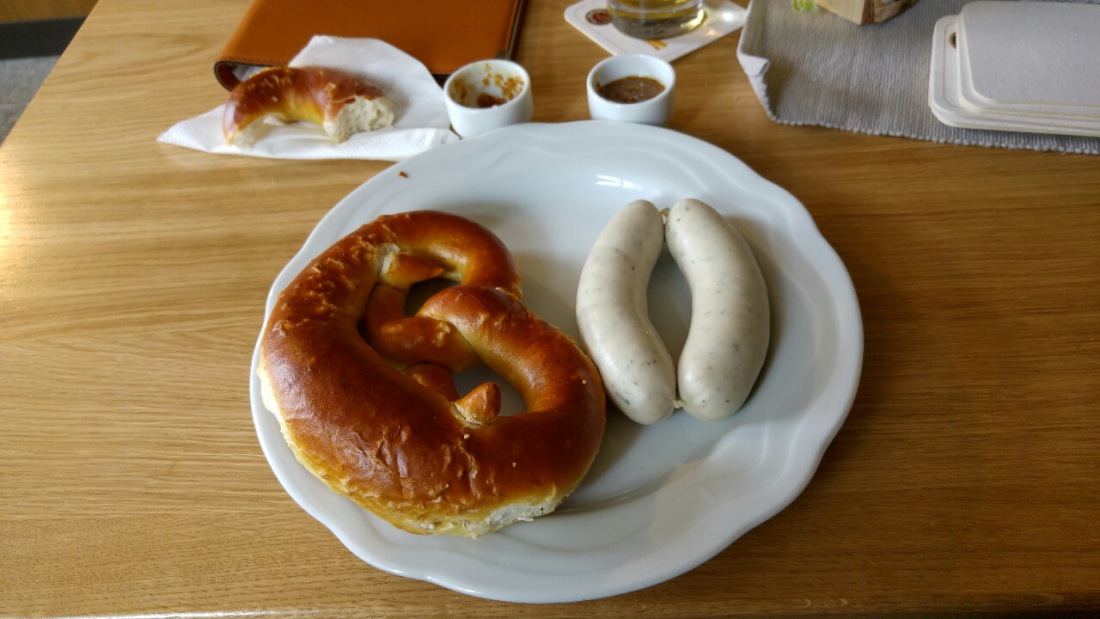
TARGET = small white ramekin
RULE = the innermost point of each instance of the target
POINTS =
(655, 111)
(498, 79)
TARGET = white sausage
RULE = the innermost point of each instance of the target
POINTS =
(730, 325)
(612, 313)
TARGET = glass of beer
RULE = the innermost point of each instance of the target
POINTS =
(655, 19)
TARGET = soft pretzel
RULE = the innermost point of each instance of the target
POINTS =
(365, 394)
(341, 103)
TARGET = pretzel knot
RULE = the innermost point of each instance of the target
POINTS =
(365, 393)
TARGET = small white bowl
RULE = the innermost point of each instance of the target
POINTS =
(487, 95)
(655, 111)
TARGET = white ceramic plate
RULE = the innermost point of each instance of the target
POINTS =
(662, 499)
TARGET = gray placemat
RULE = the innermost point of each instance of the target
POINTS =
(818, 69)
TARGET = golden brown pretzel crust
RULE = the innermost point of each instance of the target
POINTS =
(387, 434)
(311, 94)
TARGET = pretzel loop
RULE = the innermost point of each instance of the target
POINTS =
(365, 393)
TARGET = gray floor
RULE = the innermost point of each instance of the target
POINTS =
(19, 80)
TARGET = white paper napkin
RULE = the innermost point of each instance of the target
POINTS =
(420, 113)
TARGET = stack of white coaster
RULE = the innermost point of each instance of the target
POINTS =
(1018, 66)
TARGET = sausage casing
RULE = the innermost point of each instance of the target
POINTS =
(730, 327)
(612, 313)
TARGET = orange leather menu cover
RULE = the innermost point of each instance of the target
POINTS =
(442, 34)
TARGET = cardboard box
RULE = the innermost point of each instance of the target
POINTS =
(865, 11)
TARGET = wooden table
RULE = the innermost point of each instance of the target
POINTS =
(132, 283)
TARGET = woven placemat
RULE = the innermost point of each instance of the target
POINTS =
(818, 69)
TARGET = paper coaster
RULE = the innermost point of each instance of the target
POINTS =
(944, 96)
(591, 18)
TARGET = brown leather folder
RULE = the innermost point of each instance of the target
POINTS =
(442, 34)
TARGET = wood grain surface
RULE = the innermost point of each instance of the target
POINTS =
(17, 10)
(132, 284)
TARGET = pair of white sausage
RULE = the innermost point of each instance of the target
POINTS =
(730, 327)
